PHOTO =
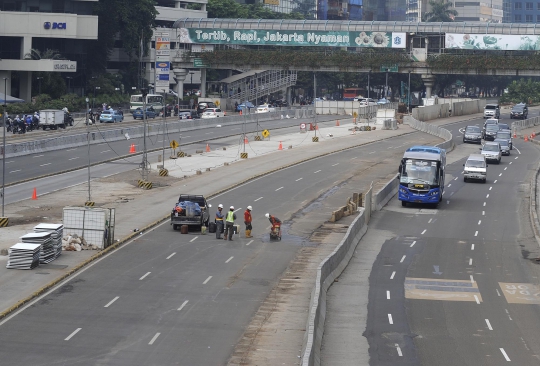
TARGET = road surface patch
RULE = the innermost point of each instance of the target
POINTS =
(449, 290)
(520, 293)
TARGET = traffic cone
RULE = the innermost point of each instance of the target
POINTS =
(246, 140)
(337, 122)
(34, 194)
(526, 138)
(533, 135)
(280, 146)
(515, 135)
(132, 149)
(207, 148)
(240, 112)
(317, 127)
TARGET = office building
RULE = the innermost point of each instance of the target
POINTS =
(521, 11)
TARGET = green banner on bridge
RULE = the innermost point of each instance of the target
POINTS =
(249, 37)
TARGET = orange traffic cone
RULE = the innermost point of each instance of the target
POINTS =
(240, 112)
(337, 122)
(132, 149)
(246, 141)
(526, 138)
(533, 135)
(515, 135)
(34, 194)
(280, 146)
(317, 127)
(207, 148)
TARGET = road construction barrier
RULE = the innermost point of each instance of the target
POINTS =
(315, 139)
(146, 185)
(244, 155)
(89, 203)
(180, 154)
(4, 221)
(163, 172)
(140, 183)
(257, 138)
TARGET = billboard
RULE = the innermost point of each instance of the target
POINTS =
(507, 42)
(247, 37)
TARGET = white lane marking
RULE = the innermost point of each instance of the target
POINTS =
(483, 213)
(450, 185)
(477, 299)
(142, 278)
(105, 151)
(423, 232)
(74, 158)
(479, 222)
(316, 172)
(517, 151)
(495, 181)
(507, 313)
(251, 241)
(402, 259)
(387, 295)
(192, 240)
(154, 339)
(335, 164)
(399, 350)
(182, 306)
(455, 178)
(429, 222)
(279, 189)
(490, 188)
(206, 281)
(505, 168)
(472, 279)
(228, 260)
(412, 245)
(504, 354)
(472, 246)
(498, 293)
(390, 319)
(238, 209)
(487, 195)
(9, 162)
(72, 334)
(15, 171)
(299, 179)
(484, 203)
(71, 149)
(470, 261)
(45, 164)
(38, 156)
(258, 199)
(488, 324)
(111, 302)
(170, 256)
(393, 274)
(500, 174)
(516, 157)
(510, 163)
(476, 233)
(373, 152)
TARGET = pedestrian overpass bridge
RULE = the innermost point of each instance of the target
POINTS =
(427, 49)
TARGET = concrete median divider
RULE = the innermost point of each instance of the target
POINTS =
(443, 133)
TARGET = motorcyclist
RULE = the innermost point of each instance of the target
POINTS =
(35, 120)
(22, 126)
(28, 121)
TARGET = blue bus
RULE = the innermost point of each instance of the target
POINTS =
(421, 175)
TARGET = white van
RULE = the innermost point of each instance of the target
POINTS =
(492, 111)
(475, 168)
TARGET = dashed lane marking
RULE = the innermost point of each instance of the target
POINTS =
(192, 240)
(299, 179)
(45, 164)
(393, 274)
(504, 354)
(280, 188)
(251, 241)
(390, 320)
(142, 278)
(170, 256)
(399, 350)
(182, 306)
(15, 171)
(488, 324)
(316, 171)
(72, 334)
(402, 259)
(260, 198)
(387, 295)
(154, 339)
(412, 244)
(111, 302)
(228, 260)
(206, 281)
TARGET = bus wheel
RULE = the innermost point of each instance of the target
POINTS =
(403, 203)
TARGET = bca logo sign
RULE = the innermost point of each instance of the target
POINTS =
(49, 25)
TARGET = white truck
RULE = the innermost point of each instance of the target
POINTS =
(51, 119)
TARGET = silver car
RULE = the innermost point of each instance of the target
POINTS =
(492, 151)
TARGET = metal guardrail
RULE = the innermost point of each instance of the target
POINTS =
(517, 126)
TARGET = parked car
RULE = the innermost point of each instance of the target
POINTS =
(519, 111)
(212, 113)
(472, 134)
(505, 147)
(475, 168)
(491, 132)
(246, 105)
(366, 101)
(150, 113)
(187, 115)
(492, 151)
(265, 108)
(506, 135)
(111, 116)
(492, 111)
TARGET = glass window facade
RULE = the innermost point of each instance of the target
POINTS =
(48, 6)
(519, 12)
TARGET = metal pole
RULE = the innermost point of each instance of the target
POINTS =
(409, 95)
(368, 77)
(4, 147)
(163, 150)
(386, 86)
(88, 146)
(144, 159)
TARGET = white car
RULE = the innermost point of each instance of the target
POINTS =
(212, 113)
(366, 101)
(265, 109)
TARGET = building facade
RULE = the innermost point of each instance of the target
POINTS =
(65, 26)
(516, 11)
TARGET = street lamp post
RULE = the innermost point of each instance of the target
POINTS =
(69, 83)
(368, 77)
(39, 80)
(88, 146)
(386, 86)
(4, 147)
(94, 100)
(409, 95)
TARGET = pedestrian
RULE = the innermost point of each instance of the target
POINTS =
(247, 221)
(229, 223)
(219, 221)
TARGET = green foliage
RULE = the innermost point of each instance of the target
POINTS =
(483, 62)
(440, 12)
(527, 91)
(52, 83)
(48, 54)
(293, 57)
(233, 10)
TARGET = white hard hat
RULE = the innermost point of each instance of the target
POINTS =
(250, 208)
(220, 206)
(232, 207)
(267, 215)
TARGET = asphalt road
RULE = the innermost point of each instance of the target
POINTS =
(456, 286)
(35, 165)
(172, 299)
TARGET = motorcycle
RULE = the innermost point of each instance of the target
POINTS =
(68, 119)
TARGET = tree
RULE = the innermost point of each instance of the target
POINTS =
(49, 54)
(440, 12)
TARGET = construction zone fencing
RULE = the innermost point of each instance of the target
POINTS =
(517, 126)
(64, 142)
(333, 265)
(349, 107)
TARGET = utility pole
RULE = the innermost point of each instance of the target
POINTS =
(386, 86)
(88, 146)
(368, 77)
(4, 147)
(144, 164)
(409, 95)
(163, 140)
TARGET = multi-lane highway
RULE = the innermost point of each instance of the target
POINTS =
(457, 285)
(180, 299)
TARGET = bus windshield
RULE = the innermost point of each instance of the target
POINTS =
(136, 98)
(419, 171)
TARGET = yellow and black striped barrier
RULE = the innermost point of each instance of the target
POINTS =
(140, 183)
(315, 139)
(180, 154)
(244, 155)
(4, 221)
(368, 128)
(257, 138)
(89, 203)
(146, 185)
(163, 172)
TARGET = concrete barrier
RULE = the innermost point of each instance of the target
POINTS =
(428, 113)
(468, 107)
(443, 133)
(386, 193)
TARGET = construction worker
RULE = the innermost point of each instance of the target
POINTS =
(273, 220)
(247, 221)
(219, 221)
(229, 223)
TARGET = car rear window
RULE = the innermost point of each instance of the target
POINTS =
(491, 107)
(472, 129)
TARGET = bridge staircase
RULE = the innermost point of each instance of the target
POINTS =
(254, 85)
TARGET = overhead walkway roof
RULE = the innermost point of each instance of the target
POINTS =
(353, 26)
